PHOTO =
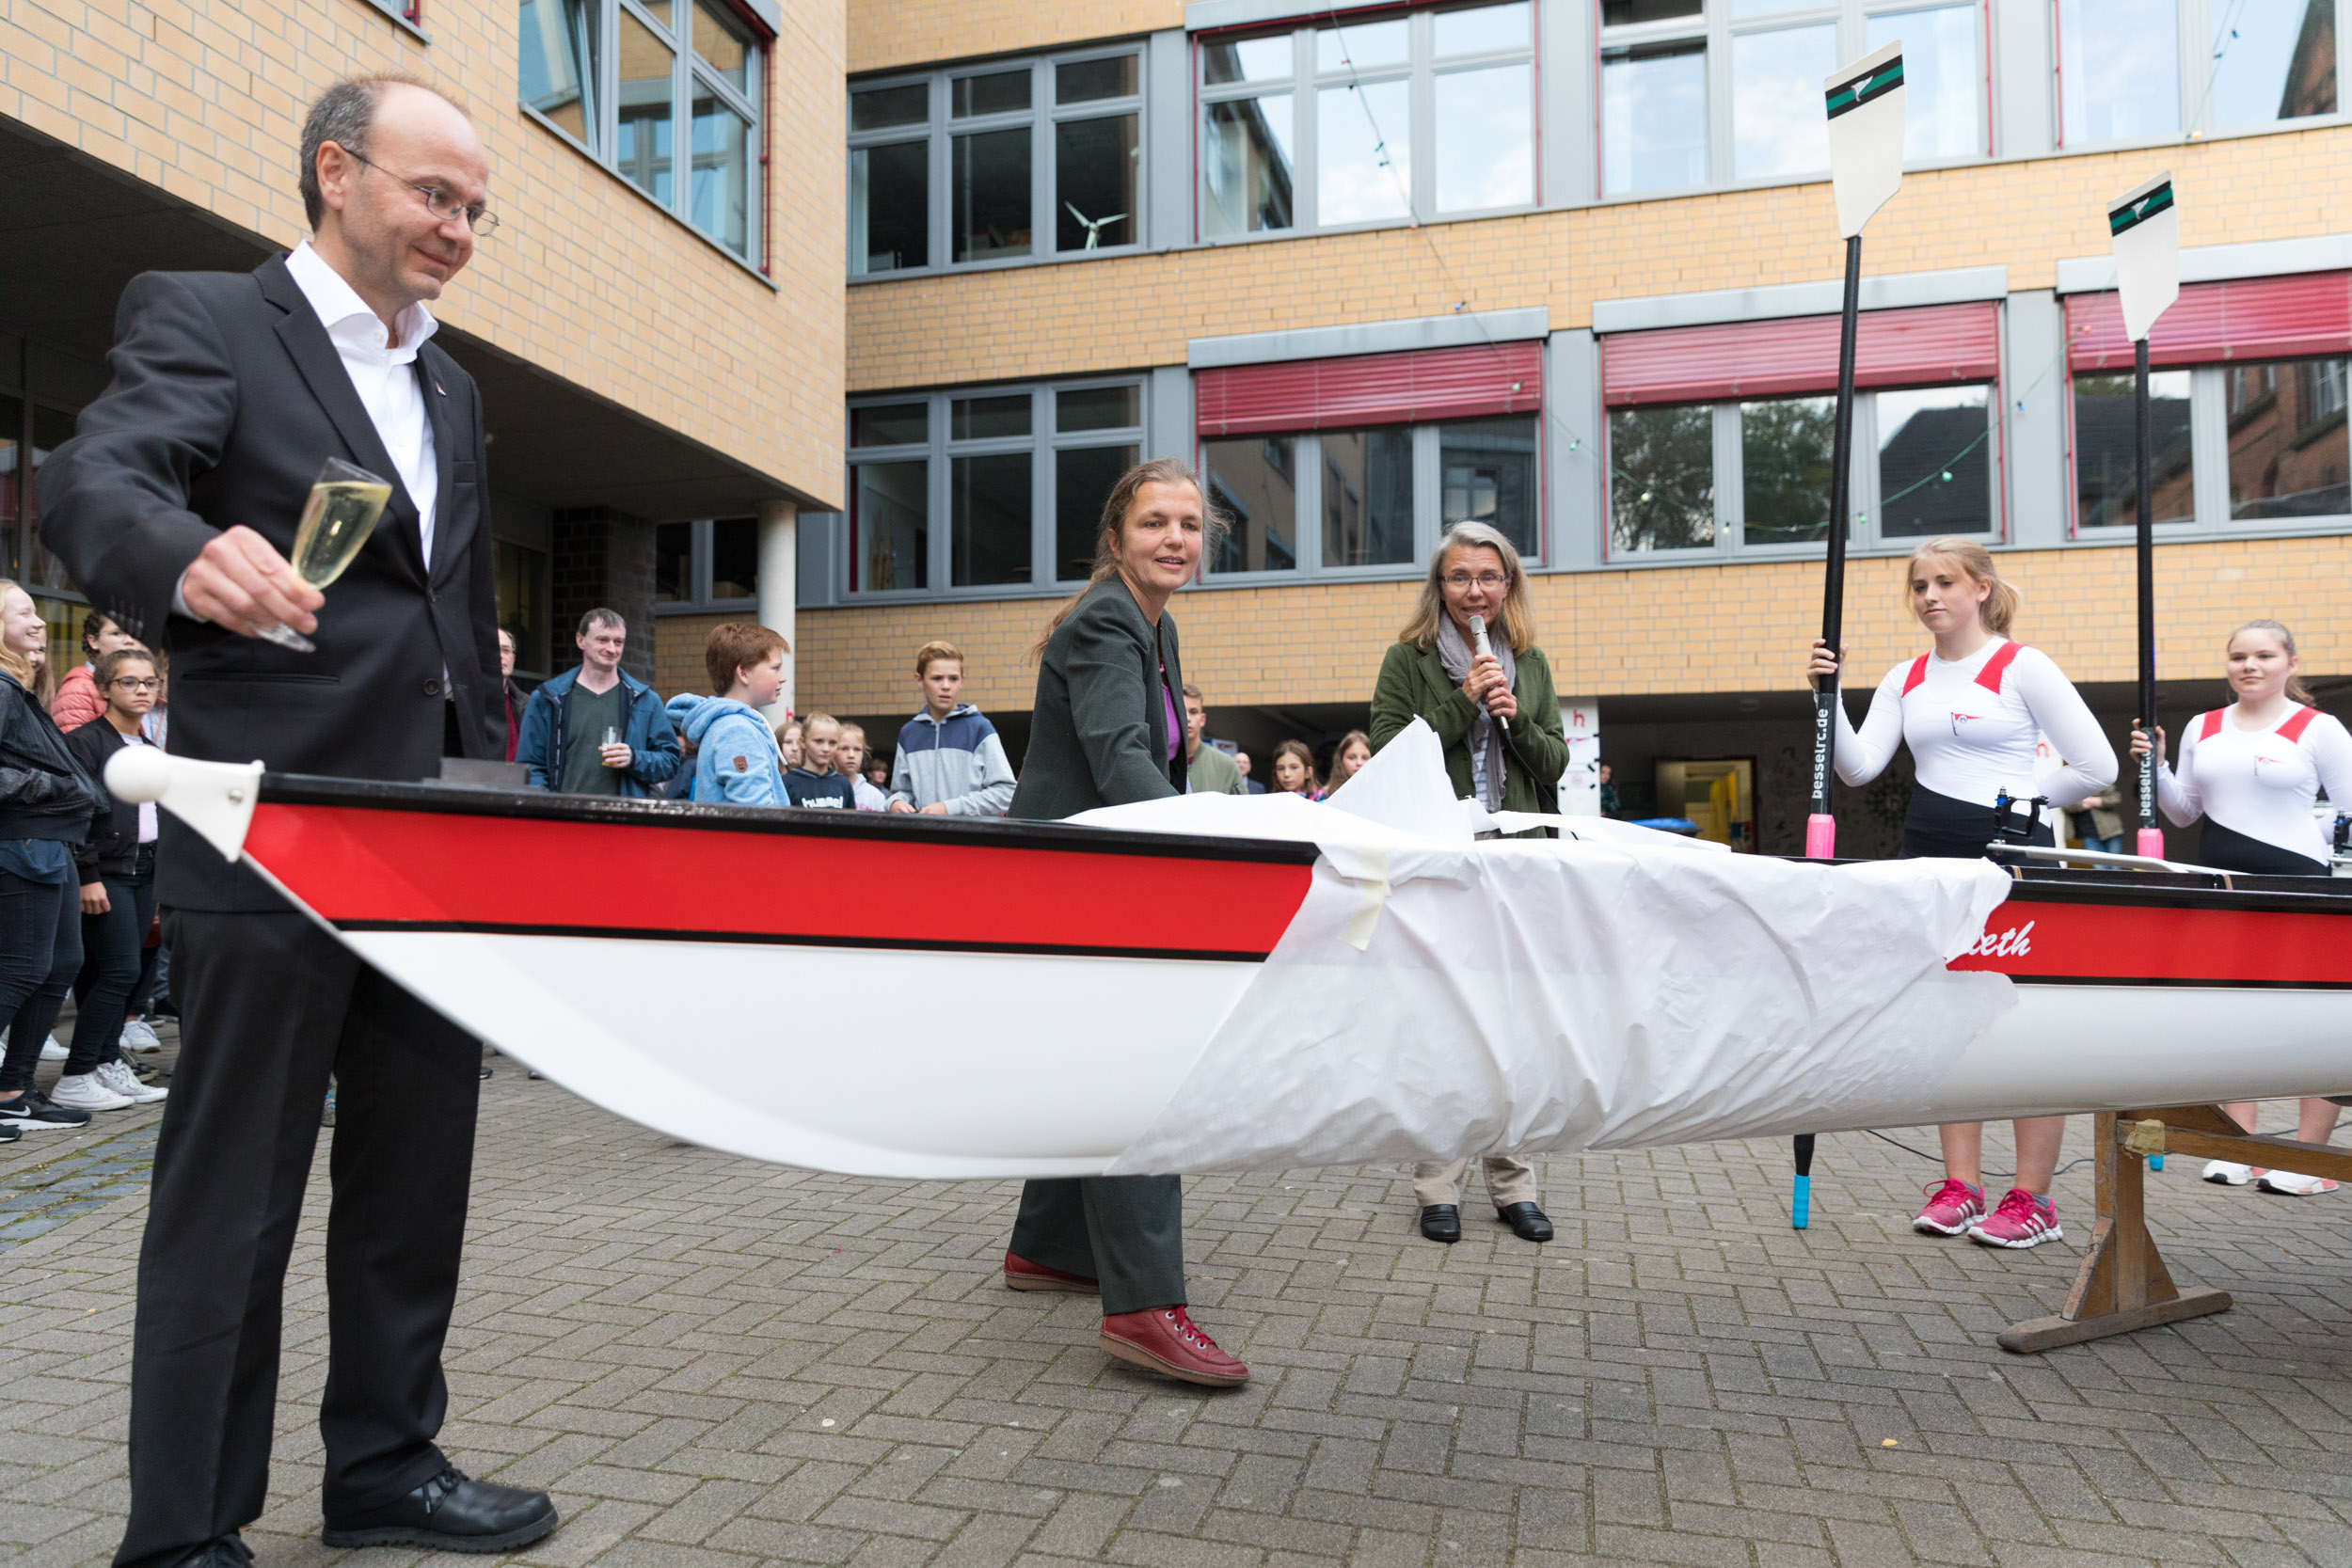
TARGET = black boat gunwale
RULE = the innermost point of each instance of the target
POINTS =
(435, 798)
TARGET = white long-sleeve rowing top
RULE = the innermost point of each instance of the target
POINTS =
(1974, 727)
(2261, 783)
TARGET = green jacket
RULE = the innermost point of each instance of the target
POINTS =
(1213, 773)
(1413, 685)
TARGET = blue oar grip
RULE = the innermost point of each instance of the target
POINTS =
(1801, 1203)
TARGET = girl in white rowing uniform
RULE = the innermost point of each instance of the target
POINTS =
(2254, 771)
(1974, 712)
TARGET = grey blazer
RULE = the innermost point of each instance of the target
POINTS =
(1099, 735)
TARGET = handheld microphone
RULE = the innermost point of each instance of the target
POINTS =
(1483, 648)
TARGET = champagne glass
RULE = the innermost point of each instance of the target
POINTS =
(342, 511)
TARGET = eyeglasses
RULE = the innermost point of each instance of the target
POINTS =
(439, 202)
(1462, 582)
(133, 682)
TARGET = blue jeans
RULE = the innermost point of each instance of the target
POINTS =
(2104, 846)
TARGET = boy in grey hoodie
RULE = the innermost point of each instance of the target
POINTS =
(736, 761)
(951, 762)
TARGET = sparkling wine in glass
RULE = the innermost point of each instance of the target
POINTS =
(342, 511)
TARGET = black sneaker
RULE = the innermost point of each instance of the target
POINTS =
(9, 1135)
(35, 1112)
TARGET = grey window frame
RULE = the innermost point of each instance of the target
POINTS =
(1730, 542)
(2195, 49)
(1428, 504)
(1042, 115)
(937, 452)
(698, 600)
(1716, 28)
(688, 72)
(1421, 68)
(2209, 465)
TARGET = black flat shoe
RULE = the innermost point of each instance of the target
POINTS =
(1442, 1222)
(450, 1513)
(1527, 1221)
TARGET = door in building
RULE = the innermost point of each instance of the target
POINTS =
(1716, 793)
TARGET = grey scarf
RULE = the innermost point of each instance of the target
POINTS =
(1486, 737)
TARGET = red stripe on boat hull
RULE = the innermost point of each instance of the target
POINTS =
(388, 868)
(2156, 945)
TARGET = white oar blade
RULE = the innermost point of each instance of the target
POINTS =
(1866, 135)
(2146, 230)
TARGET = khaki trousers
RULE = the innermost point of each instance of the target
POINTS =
(1509, 1180)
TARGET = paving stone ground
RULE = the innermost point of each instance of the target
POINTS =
(711, 1362)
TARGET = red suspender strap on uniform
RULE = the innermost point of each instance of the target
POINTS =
(2210, 725)
(1918, 674)
(2297, 723)
(1989, 676)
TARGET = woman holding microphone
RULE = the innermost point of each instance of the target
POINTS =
(1108, 730)
(1974, 712)
(2254, 771)
(1499, 721)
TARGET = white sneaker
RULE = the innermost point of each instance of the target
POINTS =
(84, 1091)
(118, 1076)
(2294, 1185)
(139, 1036)
(2230, 1173)
(51, 1052)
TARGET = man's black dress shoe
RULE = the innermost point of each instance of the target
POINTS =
(450, 1513)
(1442, 1222)
(1527, 1220)
(229, 1551)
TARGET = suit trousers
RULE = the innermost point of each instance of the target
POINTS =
(1126, 1231)
(270, 1004)
(1509, 1180)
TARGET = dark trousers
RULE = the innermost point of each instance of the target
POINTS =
(269, 1006)
(40, 947)
(111, 961)
(1126, 1231)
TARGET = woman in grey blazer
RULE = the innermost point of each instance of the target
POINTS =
(1107, 730)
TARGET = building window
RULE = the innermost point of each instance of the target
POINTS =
(1337, 500)
(713, 563)
(1668, 122)
(1756, 474)
(667, 93)
(2106, 484)
(1002, 163)
(1377, 121)
(2119, 74)
(1017, 476)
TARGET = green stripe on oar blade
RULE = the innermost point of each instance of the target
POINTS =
(2131, 214)
(1849, 96)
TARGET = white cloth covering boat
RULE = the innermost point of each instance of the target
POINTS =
(1221, 982)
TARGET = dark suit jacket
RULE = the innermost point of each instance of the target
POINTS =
(227, 395)
(1098, 735)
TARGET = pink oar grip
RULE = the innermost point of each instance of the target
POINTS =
(2151, 842)
(1820, 837)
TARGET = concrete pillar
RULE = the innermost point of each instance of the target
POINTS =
(779, 590)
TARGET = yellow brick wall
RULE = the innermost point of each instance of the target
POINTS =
(585, 277)
(1615, 634)
(890, 35)
(1083, 317)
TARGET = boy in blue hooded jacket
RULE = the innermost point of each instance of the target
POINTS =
(736, 762)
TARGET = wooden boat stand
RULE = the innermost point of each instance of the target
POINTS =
(2123, 1284)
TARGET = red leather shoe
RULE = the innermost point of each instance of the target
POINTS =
(1022, 1274)
(1165, 1339)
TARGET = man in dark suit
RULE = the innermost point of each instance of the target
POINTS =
(175, 507)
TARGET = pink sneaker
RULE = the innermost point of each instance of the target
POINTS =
(1952, 1208)
(2022, 1220)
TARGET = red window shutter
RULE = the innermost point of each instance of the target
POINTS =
(1924, 346)
(1371, 388)
(2301, 316)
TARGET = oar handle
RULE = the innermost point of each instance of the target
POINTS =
(1820, 828)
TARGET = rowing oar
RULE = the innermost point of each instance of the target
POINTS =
(2145, 227)
(1865, 104)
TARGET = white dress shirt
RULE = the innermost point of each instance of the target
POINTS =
(385, 377)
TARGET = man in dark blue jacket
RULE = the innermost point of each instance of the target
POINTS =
(565, 739)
